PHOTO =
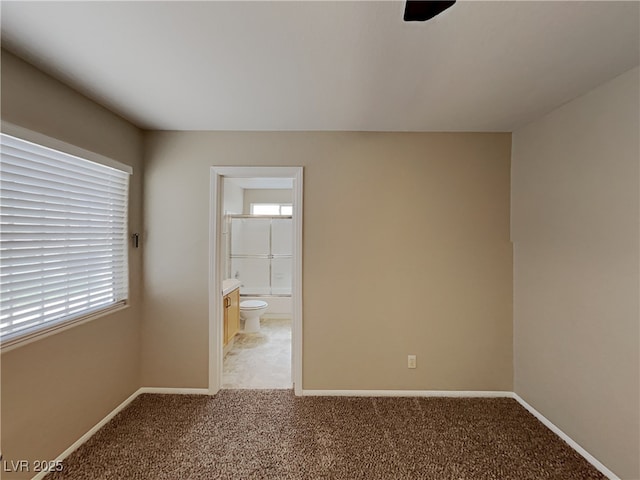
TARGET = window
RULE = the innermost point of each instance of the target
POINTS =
(271, 209)
(63, 238)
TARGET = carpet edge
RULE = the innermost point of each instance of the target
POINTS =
(570, 441)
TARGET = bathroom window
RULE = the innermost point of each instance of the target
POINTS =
(63, 236)
(271, 209)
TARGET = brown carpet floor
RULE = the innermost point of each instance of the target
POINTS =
(271, 434)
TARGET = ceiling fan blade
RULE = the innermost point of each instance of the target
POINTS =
(422, 10)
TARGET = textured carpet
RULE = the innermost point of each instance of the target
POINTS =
(271, 434)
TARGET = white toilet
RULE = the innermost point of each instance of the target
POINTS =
(250, 312)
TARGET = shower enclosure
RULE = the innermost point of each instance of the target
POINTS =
(260, 254)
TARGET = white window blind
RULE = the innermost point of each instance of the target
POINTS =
(63, 238)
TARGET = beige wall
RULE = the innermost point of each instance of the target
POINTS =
(406, 251)
(576, 287)
(233, 198)
(55, 389)
(258, 195)
(233, 203)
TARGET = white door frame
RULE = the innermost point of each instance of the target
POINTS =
(216, 200)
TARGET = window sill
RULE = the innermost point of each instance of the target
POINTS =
(22, 340)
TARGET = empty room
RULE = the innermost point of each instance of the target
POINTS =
(320, 239)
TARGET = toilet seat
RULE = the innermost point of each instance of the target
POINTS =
(253, 305)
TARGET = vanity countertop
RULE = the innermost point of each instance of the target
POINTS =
(229, 285)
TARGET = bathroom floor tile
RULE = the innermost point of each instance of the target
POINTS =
(262, 359)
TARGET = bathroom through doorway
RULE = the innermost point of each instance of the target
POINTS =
(255, 308)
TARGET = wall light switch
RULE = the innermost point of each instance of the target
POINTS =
(411, 361)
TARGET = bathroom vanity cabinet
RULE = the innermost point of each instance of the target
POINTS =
(231, 305)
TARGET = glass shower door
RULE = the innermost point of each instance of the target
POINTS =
(261, 254)
(281, 254)
(250, 252)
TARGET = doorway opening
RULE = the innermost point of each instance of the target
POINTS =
(256, 255)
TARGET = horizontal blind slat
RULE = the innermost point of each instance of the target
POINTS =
(21, 180)
(35, 203)
(32, 217)
(12, 332)
(10, 192)
(71, 280)
(54, 279)
(23, 264)
(71, 303)
(63, 236)
(13, 228)
(44, 268)
(20, 253)
(53, 297)
(41, 166)
(21, 175)
(53, 155)
(6, 246)
(27, 236)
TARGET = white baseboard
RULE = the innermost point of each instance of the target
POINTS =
(572, 443)
(115, 411)
(174, 391)
(91, 432)
(406, 393)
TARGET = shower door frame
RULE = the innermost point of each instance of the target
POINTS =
(269, 257)
(216, 217)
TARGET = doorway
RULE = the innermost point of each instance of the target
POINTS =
(224, 265)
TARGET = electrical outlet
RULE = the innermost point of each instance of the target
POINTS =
(411, 361)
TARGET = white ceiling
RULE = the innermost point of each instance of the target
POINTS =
(480, 66)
